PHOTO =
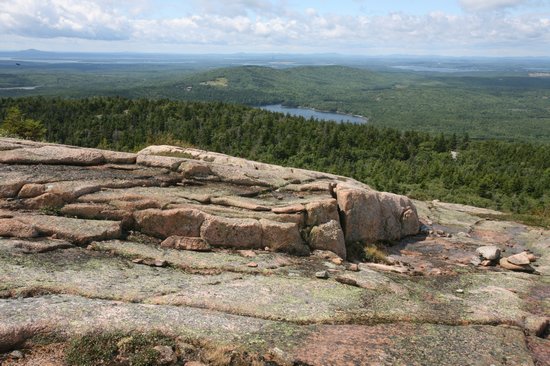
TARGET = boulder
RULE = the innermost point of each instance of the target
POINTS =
(369, 215)
(186, 243)
(231, 232)
(328, 236)
(283, 237)
(321, 212)
(399, 216)
(165, 223)
(361, 219)
(489, 252)
(410, 223)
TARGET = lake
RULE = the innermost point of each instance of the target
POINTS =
(309, 113)
(20, 88)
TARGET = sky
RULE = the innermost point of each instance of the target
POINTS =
(358, 27)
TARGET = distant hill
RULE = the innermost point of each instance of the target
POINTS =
(330, 88)
(510, 106)
(502, 101)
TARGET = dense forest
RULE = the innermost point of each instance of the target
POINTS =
(509, 176)
(502, 104)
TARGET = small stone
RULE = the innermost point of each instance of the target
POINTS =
(166, 355)
(486, 263)
(490, 252)
(194, 363)
(519, 259)
(504, 263)
(137, 260)
(321, 274)
(252, 264)
(347, 281)
(459, 291)
(337, 261)
(17, 354)
(353, 267)
(160, 263)
(532, 257)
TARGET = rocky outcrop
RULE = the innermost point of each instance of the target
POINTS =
(204, 248)
(370, 216)
(224, 201)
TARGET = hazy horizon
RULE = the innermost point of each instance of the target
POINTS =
(447, 28)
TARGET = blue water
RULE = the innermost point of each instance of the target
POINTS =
(308, 113)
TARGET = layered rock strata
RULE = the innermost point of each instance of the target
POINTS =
(81, 195)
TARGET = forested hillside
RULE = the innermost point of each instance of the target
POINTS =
(502, 104)
(513, 177)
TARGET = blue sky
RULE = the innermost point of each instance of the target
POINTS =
(364, 27)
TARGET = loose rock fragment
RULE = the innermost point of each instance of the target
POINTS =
(490, 252)
(504, 263)
(519, 259)
(321, 274)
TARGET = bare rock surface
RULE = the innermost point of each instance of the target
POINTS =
(206, 247)
(329, 236)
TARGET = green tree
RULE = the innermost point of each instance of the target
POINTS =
(15, 124)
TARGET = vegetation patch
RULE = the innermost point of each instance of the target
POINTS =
(116, 348)
(151, 349)
(366, 252)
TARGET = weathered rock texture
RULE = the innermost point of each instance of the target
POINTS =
(206, 247)
(224, 201)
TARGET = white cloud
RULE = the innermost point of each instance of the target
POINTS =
(253, 25)
(62, 18)
(239, 7)
(491, 5)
